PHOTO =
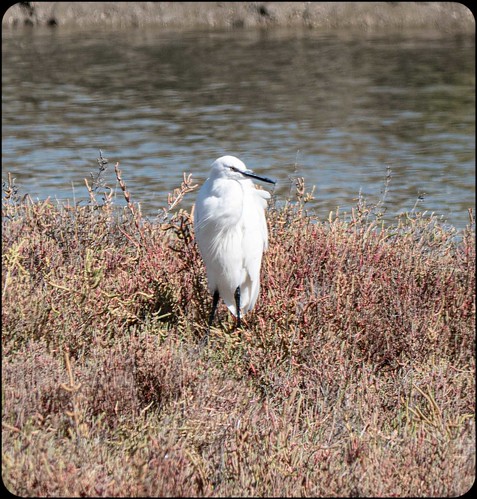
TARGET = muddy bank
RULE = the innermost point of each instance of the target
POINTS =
(442, 16)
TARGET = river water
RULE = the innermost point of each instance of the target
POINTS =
(336, 108)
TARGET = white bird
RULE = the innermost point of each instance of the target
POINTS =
(231, 232)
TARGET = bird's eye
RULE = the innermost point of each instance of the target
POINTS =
(233, 168)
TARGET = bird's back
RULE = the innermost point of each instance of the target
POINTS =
(231, 233)
(254, 243)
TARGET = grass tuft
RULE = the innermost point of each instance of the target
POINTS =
(354, 374)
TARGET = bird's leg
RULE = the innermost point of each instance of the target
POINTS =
(215, 301)
(237, 304)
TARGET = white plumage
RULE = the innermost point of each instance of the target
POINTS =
(231, 232)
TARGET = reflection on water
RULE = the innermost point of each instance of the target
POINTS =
(335, 108)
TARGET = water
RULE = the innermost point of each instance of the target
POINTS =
(336, 108)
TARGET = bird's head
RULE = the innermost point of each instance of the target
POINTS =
(232, 168)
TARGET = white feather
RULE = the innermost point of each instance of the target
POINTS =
(231, 232)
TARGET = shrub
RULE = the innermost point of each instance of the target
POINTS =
(354, 375)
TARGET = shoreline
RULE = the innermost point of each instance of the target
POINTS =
(449, 17)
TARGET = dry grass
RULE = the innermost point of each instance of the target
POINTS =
(354, 375)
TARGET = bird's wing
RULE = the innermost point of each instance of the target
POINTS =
(254, 243)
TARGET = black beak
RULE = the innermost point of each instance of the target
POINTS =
(250, 174)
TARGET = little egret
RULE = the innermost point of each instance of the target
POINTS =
(231, 233)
